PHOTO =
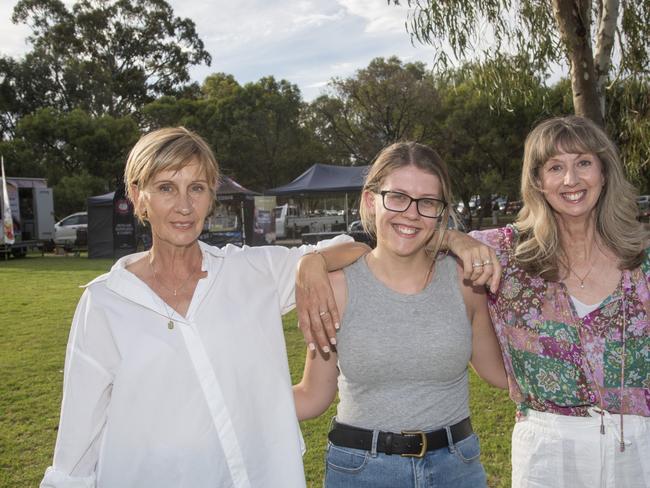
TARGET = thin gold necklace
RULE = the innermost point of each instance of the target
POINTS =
(583, 278)
(170, 323)
(159, 281)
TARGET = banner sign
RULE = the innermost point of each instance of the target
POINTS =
(7, 222)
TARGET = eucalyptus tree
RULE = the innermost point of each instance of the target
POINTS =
(603, 42)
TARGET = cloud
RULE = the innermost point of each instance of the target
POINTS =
(307, 42)
(378, 15)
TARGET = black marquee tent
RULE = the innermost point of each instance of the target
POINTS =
(324, 178)
(100, 226)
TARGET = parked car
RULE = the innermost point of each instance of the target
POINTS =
(65, 230)
(513, 207)
(355, 226)
(502, 202)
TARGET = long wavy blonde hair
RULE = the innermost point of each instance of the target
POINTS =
(399, 155)
(539, 250)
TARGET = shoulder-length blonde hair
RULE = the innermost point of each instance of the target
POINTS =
(539, 250)
(170, 148)
(398, 155)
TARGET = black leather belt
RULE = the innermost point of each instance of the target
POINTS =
(408, 443)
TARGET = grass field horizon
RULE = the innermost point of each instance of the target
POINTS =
(38, 300)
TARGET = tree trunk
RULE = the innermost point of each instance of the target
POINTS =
(574, 20)
(607, 17)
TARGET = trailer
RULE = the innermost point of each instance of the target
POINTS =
(32, 212)
(289, 223)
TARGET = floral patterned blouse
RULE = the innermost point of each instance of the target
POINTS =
(561, 363)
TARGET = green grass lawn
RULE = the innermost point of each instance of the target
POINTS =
(39, 295)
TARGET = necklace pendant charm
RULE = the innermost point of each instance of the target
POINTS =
(582, 285)
(170, 324)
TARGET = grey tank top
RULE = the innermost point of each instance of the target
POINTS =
(403, 358)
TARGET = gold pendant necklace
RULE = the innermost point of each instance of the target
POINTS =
(159, 281)
(581, 279)
(170, 324)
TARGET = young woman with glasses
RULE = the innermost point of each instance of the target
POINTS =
(410, 326)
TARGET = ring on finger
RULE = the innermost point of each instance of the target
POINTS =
(323, 313)
(477, 264)
(487, 262)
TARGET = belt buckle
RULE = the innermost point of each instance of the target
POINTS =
(423, 436)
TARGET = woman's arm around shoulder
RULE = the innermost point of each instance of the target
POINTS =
(479, 260)
(318, 315)
(486, 357)
(317, 389)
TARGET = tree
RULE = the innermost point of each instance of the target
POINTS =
(482, 141)
(102, 56)
(257, 130)
(585, 34)
(79, 155)
(386, 102)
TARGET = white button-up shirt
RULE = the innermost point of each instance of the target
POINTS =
(207, 403)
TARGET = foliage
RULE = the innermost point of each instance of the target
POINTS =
(481, 139)
(41, 294)
(603, 41)
(101, 56)
(628, 122)
(383, 103)
(72, 192)
(71, 149)
(256, 130)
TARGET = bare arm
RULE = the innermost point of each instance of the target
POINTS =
(480, 263)
(317, 389)
(486, 358)
(318, 315)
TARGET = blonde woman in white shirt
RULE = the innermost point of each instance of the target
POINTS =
(176, 372)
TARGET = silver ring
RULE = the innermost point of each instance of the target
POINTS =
(323, 313)
(487, 262)
(477, 265)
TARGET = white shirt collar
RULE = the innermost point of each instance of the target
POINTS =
(124, 283)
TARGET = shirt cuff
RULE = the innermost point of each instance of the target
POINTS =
(59, 479)
(341, 239)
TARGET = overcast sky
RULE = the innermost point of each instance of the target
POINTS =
(306, 41)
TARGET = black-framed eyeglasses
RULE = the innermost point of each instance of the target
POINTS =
(396, 201)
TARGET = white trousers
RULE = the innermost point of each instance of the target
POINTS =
(558, 451)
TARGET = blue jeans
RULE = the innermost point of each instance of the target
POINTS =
(455, 466)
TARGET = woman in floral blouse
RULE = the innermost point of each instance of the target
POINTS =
(573, 314)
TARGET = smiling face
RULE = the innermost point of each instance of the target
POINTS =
(176, 204)
(572, 184)
(404, 233)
